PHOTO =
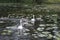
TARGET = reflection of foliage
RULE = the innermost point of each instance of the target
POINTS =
(48, 29)
(7, 23)
(6, 32)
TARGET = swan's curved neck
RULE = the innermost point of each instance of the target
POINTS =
(21, 21)
(33, 16)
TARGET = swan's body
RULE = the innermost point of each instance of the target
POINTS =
(20, 27)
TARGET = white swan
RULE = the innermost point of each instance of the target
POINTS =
(21, 25)
(33, 19)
